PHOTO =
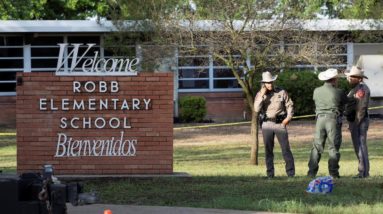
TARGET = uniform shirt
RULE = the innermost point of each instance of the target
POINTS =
(358, 99)
(329, 99)
(274, 103)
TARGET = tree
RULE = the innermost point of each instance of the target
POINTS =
(357, 9)
(370, 11)
(51, 9)
(247, 36)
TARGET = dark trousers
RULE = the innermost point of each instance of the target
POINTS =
(359, 140)
(327, 130)
(269, 131)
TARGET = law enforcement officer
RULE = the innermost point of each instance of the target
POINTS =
(329, 105)
(277, 107)
(357, 116)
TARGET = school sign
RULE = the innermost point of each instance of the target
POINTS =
(95, 116)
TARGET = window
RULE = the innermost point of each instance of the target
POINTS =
(332, 55)
(192, 78)
(45, 50)
(198, 71)
(44, 53)
(224, 78)
(194, 68)
(11, 61)
(40, 56)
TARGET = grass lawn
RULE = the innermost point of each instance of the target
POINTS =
(218, 160)
(7, 152)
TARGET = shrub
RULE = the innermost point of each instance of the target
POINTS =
(192, 109)
(300, 87)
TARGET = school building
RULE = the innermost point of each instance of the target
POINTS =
(32, 46)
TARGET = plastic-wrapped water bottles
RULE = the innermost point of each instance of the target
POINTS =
(320, 185)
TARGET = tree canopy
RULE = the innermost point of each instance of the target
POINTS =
(144, 9)
(203, 9)
(52, 9)
(353, 9)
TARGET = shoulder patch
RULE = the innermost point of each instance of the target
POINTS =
(360, 93)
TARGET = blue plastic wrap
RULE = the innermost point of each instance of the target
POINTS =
(321, 185)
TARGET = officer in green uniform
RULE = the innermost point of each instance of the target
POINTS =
(357, 117)
(277, 107)
(329, 105)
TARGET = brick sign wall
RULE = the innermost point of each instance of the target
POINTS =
(95, 125)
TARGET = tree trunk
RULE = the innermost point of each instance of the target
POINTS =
(254, 139)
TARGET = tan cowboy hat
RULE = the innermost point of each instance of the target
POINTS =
(328, 74)
(267, 77)
(356, 72)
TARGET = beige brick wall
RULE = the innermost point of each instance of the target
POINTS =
(38, 130)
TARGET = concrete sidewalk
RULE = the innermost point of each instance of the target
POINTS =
(130, 209)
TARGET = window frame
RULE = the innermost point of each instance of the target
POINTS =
(211, 78)
(19, 69)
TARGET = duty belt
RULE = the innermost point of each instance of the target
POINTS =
(327, 115)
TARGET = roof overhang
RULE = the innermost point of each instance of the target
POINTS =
(92, 26)
(55, 26)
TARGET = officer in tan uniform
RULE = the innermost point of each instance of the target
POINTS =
(357, 116)
(277, 109)
(329, 105)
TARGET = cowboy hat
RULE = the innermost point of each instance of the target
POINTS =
(328, 74)
(267, 77)
(356, 72)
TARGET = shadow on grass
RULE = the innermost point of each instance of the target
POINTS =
(242, 152)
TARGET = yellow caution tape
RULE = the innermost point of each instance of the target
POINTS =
(212, 125)
(376, 107)
(246, 122)
(8, 134)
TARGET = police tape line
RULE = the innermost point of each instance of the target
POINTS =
(8, 134)
(218, 125)
(248, 122)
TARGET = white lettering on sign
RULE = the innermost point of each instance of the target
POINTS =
(43, 104)
(93, 104)
(115, 146)
(92, 66)
(98, 122)
(100, 87)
